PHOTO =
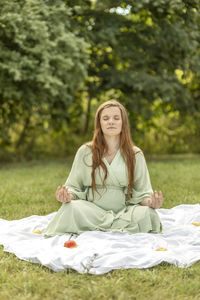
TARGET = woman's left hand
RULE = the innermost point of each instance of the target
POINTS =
(155, 201)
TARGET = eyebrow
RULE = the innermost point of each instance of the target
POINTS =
(108, 115)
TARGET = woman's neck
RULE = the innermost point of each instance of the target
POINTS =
(113, 143)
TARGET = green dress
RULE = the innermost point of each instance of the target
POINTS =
(109, 210)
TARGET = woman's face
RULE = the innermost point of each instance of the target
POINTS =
(111, 121)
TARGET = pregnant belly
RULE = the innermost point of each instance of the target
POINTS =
(108, 199)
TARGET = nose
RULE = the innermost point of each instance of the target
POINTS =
(111, 121)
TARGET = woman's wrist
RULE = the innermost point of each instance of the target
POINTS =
(146, 202)
(72, 197)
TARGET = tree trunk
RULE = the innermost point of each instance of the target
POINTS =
(87, 121)
(23, 133)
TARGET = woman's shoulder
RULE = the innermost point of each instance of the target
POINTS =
(84, 154)
(137, 150)
(84, 149)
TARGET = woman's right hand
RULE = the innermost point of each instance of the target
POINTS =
(63, 195)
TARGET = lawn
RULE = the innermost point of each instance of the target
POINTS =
(29, 188)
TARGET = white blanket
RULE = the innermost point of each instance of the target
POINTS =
(99, 252)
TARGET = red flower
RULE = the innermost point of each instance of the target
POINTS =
(70, 244)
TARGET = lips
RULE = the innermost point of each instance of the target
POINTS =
(111, 128)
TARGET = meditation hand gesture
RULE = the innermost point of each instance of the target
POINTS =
(63, 195)
(155, 201)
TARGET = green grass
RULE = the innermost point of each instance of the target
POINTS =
(29, 188)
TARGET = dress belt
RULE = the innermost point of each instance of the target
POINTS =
(110, 187)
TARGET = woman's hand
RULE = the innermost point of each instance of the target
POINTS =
(63, 195)
(155, 201)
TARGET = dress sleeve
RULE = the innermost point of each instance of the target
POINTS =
(74, 182)
(142, 185)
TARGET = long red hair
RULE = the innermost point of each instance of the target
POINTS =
(99, 146)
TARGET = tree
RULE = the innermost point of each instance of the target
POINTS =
(136, 48)
(42, 65)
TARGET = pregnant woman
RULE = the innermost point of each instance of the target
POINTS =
(109, 187)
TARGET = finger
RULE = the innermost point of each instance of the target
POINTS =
(159, 200)
(65, 188)
(151, 203)
(59, 196)
(58, 188)
(58, 193)
(155, 198)
(154, 204)
(66, 195)
(156, 195)
(63, 194)
(160, 197)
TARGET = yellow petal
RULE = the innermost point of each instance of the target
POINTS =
(196, 223)
(161, 249)
(37, 231)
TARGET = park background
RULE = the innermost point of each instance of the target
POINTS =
(58, 61)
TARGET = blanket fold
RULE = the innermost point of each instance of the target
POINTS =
(100, 252)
